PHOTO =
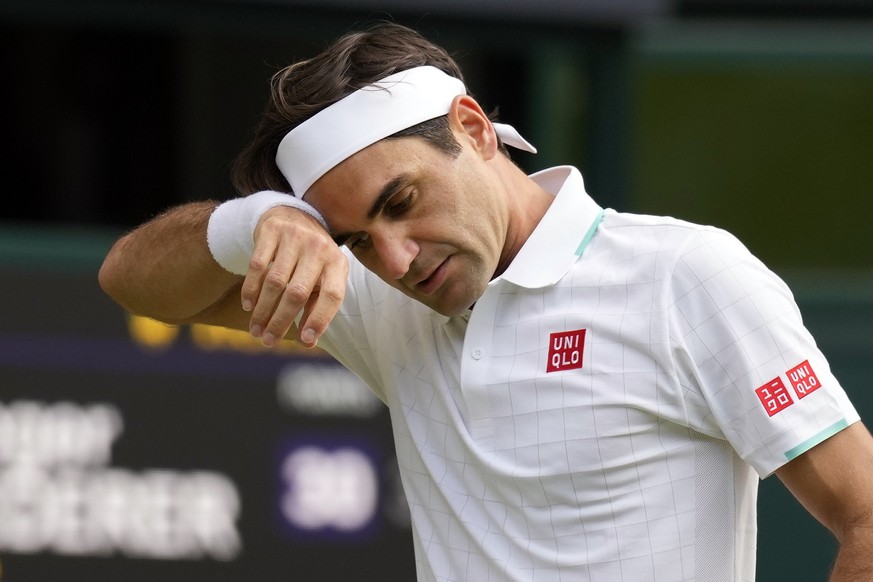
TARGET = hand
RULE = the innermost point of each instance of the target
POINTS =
(296, 266)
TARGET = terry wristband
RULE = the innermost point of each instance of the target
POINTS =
(231, 228)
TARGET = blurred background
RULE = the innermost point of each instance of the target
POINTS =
(134, 451)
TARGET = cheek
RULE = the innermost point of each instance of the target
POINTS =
(484, 222)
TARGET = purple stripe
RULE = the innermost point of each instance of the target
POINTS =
(117, 355)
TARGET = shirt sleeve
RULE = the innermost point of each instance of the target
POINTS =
(743, 349)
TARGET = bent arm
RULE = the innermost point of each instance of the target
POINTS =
(164, 270)
(834, 482)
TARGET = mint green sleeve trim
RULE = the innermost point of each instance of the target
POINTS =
(816, 439)
(591, 230)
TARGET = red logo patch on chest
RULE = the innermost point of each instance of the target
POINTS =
(565, 350)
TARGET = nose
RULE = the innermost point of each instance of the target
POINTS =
(395, 253)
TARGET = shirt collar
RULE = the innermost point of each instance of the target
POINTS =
(562, 234)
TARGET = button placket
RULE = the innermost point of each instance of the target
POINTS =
(475, 366)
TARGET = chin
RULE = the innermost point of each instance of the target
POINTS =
(450, 308)
(455, 311)
(452, 301)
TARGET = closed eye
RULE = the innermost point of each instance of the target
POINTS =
(397, 208)
(357, 241)
(393, 201)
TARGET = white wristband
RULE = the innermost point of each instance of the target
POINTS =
(230, 233)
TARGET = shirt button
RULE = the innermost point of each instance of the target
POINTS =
(477, 353)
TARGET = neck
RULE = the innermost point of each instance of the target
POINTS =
(528, 203)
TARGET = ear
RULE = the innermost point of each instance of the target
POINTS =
(468, 120)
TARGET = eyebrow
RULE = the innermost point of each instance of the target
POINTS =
(387, 192)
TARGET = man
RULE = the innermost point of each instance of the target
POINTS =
(575, 393)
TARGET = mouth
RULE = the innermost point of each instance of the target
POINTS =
(432, 282)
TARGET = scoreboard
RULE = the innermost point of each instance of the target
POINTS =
(132, 450)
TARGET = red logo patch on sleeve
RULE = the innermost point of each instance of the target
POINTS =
(774, 396)
(803, 379)
(565, 350)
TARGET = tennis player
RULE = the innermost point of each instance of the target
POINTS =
(576, 393)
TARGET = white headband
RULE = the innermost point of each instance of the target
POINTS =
(369, 114)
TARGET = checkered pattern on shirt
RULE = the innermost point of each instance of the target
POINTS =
(626, 469)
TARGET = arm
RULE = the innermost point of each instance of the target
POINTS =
(834, 482)
(164, 270)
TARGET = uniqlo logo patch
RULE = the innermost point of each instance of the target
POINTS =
(774, 396)
(565, 350)
(803, 379)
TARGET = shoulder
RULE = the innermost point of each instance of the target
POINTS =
(672, 251)
(664, 235)
(690, 253)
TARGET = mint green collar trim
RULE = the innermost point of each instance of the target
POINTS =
(588, 235)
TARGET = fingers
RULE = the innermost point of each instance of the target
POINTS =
(323, 305)
(295, 267)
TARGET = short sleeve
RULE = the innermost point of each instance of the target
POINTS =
(745, 352)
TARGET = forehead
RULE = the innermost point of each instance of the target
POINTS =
(352, 193)
(365, 173)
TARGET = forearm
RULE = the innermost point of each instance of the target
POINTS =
(834, 482)
(164, 269)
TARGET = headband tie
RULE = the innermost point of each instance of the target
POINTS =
(371, 113)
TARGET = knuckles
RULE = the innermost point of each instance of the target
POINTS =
(296, 260)
(324, 246)
(275, 280)
(258, 264)
(297, 293)
(333, 293)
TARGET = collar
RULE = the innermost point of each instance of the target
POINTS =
(562, 234)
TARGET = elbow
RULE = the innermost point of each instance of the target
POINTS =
(859, 524)
(116, 281)
(110, 279)
(144, 291)
(106, 277)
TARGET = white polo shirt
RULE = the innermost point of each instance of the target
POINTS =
(604, 411)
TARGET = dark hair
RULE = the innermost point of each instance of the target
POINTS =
(303, 89)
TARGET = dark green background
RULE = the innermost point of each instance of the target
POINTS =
(758, 123)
